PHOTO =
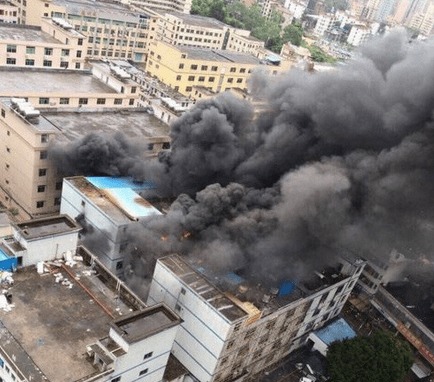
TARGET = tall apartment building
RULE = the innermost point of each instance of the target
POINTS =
(52, 46)
(235, 330)
(423, 22)
(324, 23)
(186, 68)
(8, 12)
(358, 35)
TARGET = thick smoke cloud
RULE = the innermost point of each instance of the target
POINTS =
(335, 161)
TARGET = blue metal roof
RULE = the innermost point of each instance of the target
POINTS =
(131, 202)
(336, 331)
(3, 256)
(103, 182)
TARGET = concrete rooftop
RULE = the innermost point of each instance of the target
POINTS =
(199, 21)
(133, 123)
(218, 55)
(23, 82)
(35, 229)
(54, 324)
(30, 34)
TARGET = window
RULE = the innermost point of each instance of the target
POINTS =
(178, 78)
(44, 101)
(100, 101)
(3, 113)
(181, 66)
(43, 154)
(58, 185)
(80, 42)
(178, 307)
(182, 290)
(213, 68)
(41, 188)
(143, 372)
(30, 62)
(77, 65)
(242, 70)
(118, 101)
(211, 79)
(204, 67)
(131, 102)
(40, 204)
(8, 149)
(191, 78)
(233, 70)
(117, 379)
(239, 80)
(230, 80)
(30, 50)
(65, 52)
(11, 61)
(47, 63)
(42, 171)
(201, 79)
(44, 138)
(78, 54)
(148, 355)
(193, 67)
(119, 265)
(57, 201)
(11, 48)
(48, 51)
(83, 101)
(133, 89)
(64, 101)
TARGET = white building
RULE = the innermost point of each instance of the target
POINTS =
(358, 35)
(236, 330)
(324, 23)
(297, 8)
(8, 12)
(108, 206)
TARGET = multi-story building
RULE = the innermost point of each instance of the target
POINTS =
(358, 35)
(107, 206)
(111, 335)
(204, 32)
(30, 184)
(183, 6)
(112, 29)
(50, 47)
(8, 12)
(183, 68)
(297, 8)
(324, 23)
(423, 22)
(234, 330)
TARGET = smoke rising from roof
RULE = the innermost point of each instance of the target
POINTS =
(342, 159)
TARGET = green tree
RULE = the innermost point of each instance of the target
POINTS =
(293, 33)
(378, 358)
(318, 55)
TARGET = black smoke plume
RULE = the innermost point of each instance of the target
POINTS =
(342, 159)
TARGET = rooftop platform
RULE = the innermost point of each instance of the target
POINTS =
(36, 229)
(53, 323)
(203, 54)
(136, 124)
(27, 33)
(63, 83)
(121, 204)
(150, 321)
(199, 21)
(338, 330)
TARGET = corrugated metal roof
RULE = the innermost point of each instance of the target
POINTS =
(337, 331)
(103, 182)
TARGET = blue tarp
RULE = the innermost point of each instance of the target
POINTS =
(286, 288)
(336, 331)
(233, 278)
(7, 263)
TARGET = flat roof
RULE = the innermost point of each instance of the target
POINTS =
(100, 9)
(34, 229)
(145, 323)
(207, 291)
(336, 331)
(136, 124)
(199, 21)
(53, 323)
(21, 81)
(218, 55)
(27, 33)
(122, 204)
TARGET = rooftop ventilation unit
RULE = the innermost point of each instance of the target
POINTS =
(24, 108)
(118, 72)
(62, 23)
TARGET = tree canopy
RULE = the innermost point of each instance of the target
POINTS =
(378, 358)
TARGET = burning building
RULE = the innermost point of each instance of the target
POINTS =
(233, 329)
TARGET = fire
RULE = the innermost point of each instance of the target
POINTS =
(164, 237)
(186, 235)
